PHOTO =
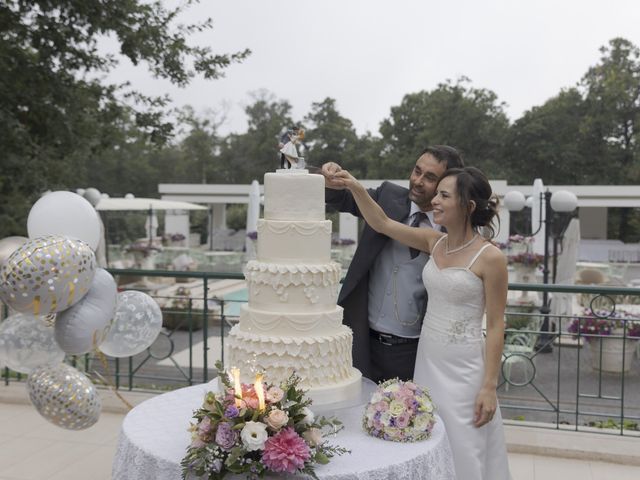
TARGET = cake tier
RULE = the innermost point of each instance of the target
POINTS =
(278, 323)
(291, 288)
(293, 195)
(320, 361)
(294, 241)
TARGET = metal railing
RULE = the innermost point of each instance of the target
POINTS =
(560, 377)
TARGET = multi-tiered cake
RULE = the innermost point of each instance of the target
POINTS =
(292, 322)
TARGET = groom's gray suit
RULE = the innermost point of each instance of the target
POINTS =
(353, 297)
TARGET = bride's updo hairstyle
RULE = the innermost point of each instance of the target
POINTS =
(473, 186)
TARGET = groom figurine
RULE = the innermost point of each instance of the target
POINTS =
(383, 296)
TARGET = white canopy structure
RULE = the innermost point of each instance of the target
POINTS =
(123, 204)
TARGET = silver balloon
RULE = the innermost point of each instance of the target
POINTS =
(27, 342)
(64, 396)
(9, 245)
(135, 327)
(84, 326)
(47, 275)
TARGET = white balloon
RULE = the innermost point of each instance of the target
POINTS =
(84, 326)
(64, 213)
(92, 195)
(27, 342)
(137, 323)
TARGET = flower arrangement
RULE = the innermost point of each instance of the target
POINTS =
(520, 239)
(603, 322)
(400, 412)
(257, 429)
(253, 235)
(526, 259)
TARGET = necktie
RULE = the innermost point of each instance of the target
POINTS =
(417, 218)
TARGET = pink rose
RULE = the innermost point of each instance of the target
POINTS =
(274, 394)
(381, 406)
(313, 436)
(277, 419)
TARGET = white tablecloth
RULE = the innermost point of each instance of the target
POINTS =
(154, 439)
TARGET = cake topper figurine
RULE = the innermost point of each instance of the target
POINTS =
(289, 157)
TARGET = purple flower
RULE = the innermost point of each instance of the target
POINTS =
(226, 437)
(231, 411)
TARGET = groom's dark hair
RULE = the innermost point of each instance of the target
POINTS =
(445, 153)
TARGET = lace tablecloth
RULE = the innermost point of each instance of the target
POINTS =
(154, 439)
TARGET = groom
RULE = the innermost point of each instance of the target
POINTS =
(383, 296)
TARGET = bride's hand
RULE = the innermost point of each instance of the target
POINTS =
(345, 179)
(485, 407)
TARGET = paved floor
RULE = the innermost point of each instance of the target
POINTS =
(33, 449)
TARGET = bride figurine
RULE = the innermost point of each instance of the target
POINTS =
(289, 157)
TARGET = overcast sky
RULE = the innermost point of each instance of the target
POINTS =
(367, 54)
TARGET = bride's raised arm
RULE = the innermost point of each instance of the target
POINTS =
(419, 238)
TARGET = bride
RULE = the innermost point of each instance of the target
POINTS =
(466, 276)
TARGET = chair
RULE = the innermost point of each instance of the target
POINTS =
(519, 348)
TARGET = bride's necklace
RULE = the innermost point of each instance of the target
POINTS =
(461, 247)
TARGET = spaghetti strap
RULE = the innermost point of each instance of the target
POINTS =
(475, 257)
(437, 242)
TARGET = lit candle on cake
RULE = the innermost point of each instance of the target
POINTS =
(237, 387)
(259, 391)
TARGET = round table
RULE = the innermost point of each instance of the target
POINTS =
(154, 439)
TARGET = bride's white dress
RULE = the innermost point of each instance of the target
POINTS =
(450, 362)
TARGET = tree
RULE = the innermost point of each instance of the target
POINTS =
(249, 155)
(546, 142)
(455, 114)
(612, 94)
(56, 111)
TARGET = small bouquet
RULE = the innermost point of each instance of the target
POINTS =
(257, 429)
(399, 411)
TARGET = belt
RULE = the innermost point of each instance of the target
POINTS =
(389, 339)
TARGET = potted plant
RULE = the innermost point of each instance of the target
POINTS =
(611, 336)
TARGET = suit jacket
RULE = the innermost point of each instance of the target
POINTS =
(394, 200)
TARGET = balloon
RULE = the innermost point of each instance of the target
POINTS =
(27, 342)
(64, 396)
(84, 326)
(47, 275)
(92, 195)
(64, 213)
(9, 245)
(136, 325)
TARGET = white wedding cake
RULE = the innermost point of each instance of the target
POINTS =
(292, 322)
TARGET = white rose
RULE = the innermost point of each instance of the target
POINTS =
(309, 417)
(421, 422)
(313, 436)
(253, 435)
(394, 387)
(277, 419)
(376, 397)
(396, 408)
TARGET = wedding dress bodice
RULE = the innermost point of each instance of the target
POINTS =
(456, 303)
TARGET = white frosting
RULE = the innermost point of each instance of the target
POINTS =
(278, 323)
(319, 360)
(308, 242)
(292, 288)
(293, 195)
(292, 322)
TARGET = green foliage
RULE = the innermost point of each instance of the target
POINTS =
(237, 216)
(455, 114)
(58, 116)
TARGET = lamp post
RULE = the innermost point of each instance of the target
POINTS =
(559, 201)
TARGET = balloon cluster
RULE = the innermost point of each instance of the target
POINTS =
(62, 303)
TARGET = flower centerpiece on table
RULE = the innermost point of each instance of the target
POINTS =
(257, 429)
(604, 322)
(400, 412)
(531, 260)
